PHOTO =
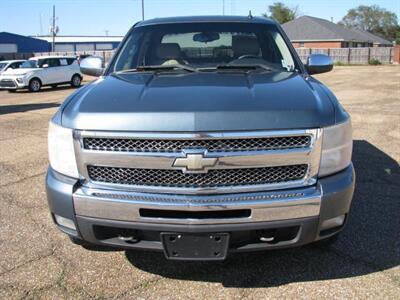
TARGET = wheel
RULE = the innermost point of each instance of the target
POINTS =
(90, 246)
(75, 240)
(82, 243)
(76, 81)
(35, 85)
(326, 243)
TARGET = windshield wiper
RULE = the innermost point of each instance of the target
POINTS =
(158, 68)
(237, 67)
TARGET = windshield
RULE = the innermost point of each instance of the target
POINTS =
(29, 64)
(205, 46)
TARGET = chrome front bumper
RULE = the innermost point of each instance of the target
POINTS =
(97, 211)
(264, 206)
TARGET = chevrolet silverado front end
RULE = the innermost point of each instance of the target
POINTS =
(203, 136)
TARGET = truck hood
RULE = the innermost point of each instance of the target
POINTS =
(201, 101)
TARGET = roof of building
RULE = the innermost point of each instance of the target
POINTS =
(50, 56)
(308, 28)
(80, 39)
(200, 19)
(373, 37)
(23, 44)
(10, 35)
(11, 61)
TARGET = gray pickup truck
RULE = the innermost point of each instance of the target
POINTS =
(202, 137)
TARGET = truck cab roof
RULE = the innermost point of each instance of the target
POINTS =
(206, 19)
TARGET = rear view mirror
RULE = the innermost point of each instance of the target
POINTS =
(319, 63)
(206, 37)
(92, 66)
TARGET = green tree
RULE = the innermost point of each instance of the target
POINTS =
(397, 39)
(281, 12)
(373, 19)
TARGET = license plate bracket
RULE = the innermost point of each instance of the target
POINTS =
(188, 246)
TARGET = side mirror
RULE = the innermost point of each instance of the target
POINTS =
(45, 66)
(319, 63)
(92, 66)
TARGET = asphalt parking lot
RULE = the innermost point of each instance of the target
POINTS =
(37, 261)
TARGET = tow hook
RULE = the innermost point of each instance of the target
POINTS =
(131, 239)
(267, 239)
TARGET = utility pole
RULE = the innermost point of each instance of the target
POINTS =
(142, 10)
(53, 31)
(41, 24)
(223, 7)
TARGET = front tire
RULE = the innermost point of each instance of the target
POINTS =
(326, 243)
(76, 81)
(82, 243)
(35, 85)
(89, 246)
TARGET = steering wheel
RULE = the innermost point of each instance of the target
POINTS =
(247, 56)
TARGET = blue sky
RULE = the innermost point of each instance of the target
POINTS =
(95, 17)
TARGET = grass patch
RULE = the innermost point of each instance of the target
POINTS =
(340, 63)
(374, 62)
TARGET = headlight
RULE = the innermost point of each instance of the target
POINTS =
(337, 145)
(20, 79)
(61, 150)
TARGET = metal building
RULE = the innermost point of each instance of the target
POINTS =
(82, 43)
(11, 43)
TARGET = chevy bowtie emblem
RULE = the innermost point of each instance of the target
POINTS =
(195, 163)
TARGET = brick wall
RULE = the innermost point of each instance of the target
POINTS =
(396, 54)
(318, 45)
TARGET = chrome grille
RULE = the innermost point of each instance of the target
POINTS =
(246, 161)
(212, 145)
(214, 178)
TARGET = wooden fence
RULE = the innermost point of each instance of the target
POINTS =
(343, 55)
(339, 55)
(354, 56)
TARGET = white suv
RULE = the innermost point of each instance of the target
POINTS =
(40, 71)
(10, 64)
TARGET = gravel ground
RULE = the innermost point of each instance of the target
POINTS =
(38, 262)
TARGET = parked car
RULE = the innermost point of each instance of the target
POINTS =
(80, 57)
(203, 136)
(10, 64)
(42, 71)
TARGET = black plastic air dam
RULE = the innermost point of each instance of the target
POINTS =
(179, 214)
(307, 232)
